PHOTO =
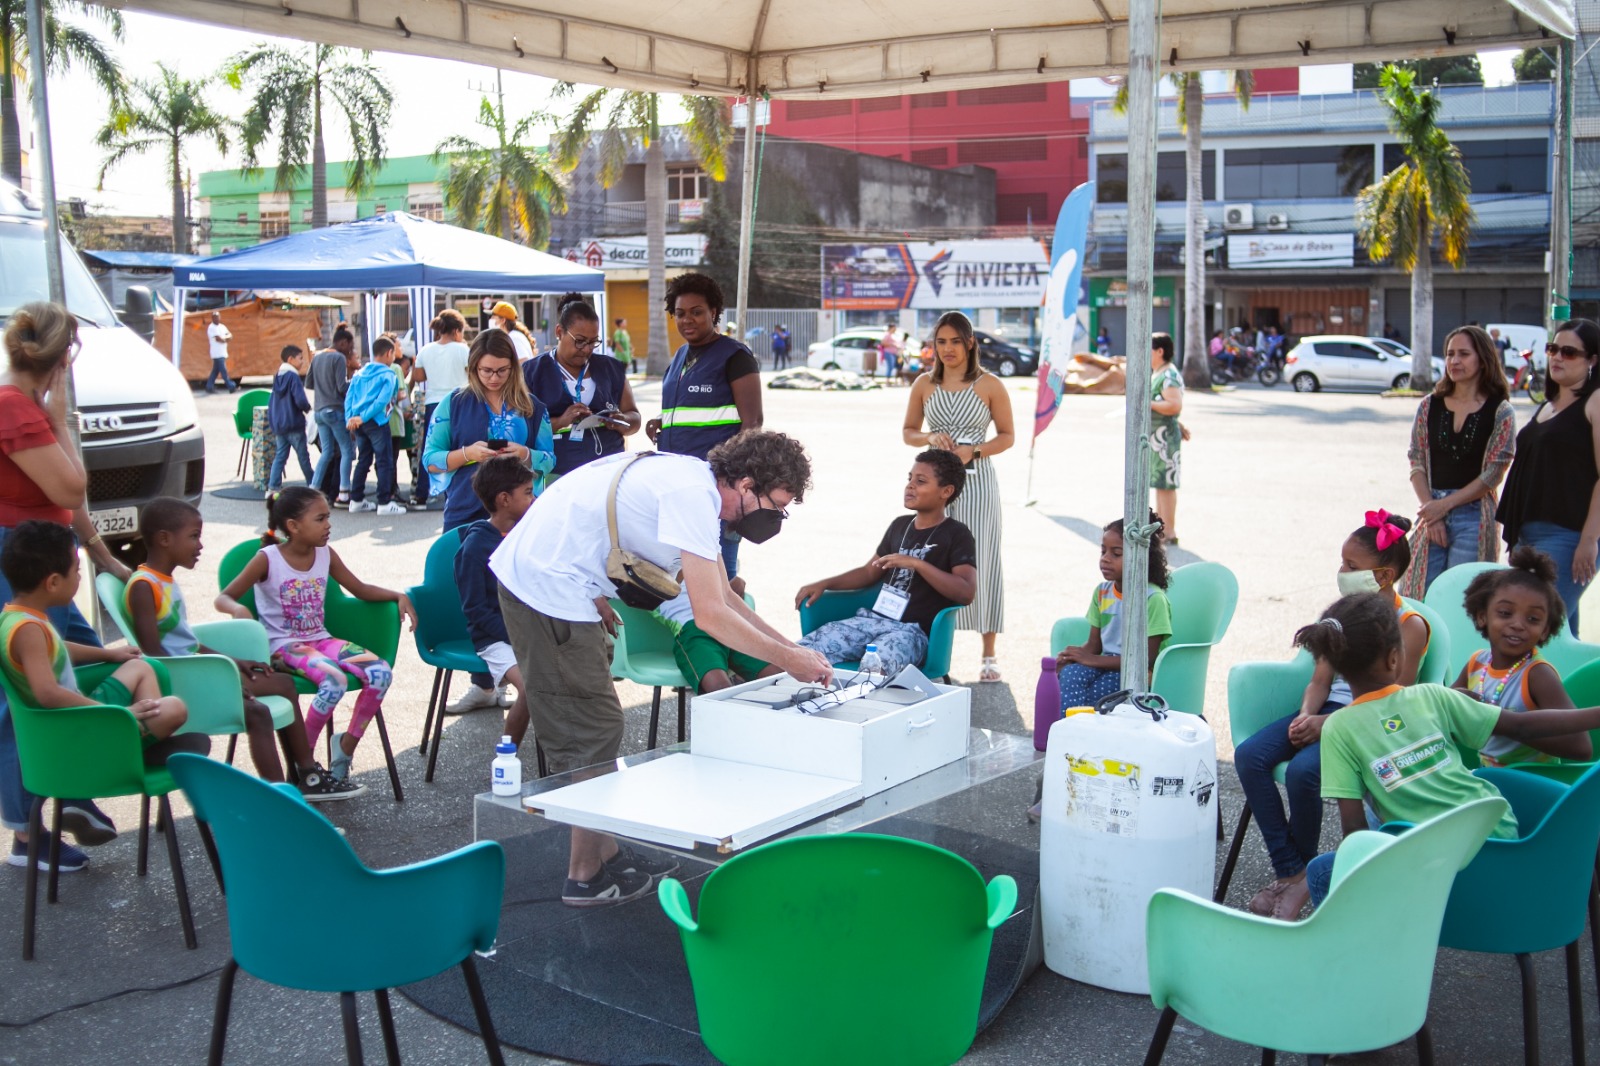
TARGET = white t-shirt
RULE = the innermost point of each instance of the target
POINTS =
(219, 336)
(521, 344)
(554, 559)
(446, 367)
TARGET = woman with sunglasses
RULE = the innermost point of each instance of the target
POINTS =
(573, 386)
(492, 414)
(1552, 495)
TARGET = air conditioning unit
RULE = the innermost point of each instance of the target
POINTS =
(1239, 216)
(1277, 221)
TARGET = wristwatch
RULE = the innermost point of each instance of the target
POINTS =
(977, 452)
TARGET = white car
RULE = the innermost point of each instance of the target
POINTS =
(845, 351)
(1348, 362)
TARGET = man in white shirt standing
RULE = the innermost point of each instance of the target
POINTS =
(219, 336)
(553, 597)
(441, 367)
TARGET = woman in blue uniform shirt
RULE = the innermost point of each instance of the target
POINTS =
(573, 385)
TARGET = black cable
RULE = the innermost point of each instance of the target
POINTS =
(110, 996)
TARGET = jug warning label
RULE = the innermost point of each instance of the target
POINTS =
(1104, 794)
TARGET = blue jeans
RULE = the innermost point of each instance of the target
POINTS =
(1461, 528)
(219, 372)
(16, 801)
(375, 444)
(1560, 543)
(730, 551)
(900, 644)
(280, 459)
(1291, 840)
(419, 477)
(337, 447)
(1084, 686)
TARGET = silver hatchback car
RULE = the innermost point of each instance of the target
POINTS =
(1337, 361)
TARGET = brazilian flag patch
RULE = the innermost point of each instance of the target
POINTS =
(1393, 725)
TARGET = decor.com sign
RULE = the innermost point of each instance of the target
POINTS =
(631, 253)
(1297, 250)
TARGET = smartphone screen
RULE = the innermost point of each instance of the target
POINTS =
(497, 445)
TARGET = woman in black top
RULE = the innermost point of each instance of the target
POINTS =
(1552, 497)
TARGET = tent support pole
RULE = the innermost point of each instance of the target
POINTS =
(1144, 31)
(747, 197)
(1561, 194)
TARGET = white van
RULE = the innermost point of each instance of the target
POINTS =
(141, 436)
(1522, 338)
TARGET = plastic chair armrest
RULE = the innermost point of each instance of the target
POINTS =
(209, 686)
(1565, 773)
(1068, 633)
(1002, 893)
(1531, 796)
(1352, 850)
(237, 638)
(675, 901)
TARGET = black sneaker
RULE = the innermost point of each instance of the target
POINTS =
(88, 824)
(319, 786)
(629, 862)
(607, 887)
(72, 860)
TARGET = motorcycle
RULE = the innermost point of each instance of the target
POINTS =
(1271, 370)
(1529, 378)
(1244, 362)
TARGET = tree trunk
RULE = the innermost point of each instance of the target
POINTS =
(506, 232)
(1196, 359)
(1422, 318)
(180, 223)
(10, 129)
(655, 229)
(319, 164)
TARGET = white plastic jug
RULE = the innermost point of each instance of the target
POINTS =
(1129, 807)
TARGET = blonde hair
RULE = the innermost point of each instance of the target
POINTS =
(38, 336)
(514, 394)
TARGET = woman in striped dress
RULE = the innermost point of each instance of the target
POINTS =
(958, 402)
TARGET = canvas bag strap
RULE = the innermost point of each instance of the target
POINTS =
(611, 499)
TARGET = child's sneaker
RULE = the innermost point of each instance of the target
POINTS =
(72, 860)
(319, 786)
(606, 888)
(88, 824)
(339, 765)
(392, 507)
(360, 506)
(627, 861)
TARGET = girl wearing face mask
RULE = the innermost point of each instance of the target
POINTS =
(1373, 559)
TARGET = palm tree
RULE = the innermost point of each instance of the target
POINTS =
(1398, 215)
(291, 86)
(65, 45)
(1191, 111)
(614, 121)
(505, 189)
(162, 114)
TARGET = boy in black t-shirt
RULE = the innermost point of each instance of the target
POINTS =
(926, 562)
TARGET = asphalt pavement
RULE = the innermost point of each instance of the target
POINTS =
(1273, 482)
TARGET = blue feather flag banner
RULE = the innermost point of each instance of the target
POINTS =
(1063, 292)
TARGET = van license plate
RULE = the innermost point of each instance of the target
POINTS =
(117, 521)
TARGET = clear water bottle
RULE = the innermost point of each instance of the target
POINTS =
(871, 668)
(506, 769)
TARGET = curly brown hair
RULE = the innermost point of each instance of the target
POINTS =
(771, 460)
(1531, 569)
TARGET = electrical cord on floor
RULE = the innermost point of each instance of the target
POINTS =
(106, 998)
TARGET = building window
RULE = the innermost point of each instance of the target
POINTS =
(380, 209)
(880, 103)
(274, 224)
(1016, 209)
(1018, 150)
(429, 209)
(931, 157)
(804, 109)
(1111, 177)
(1518, 166)
(687, 183)
(1003, 94)
(1315, 172)
(244, 218)
(930, 100)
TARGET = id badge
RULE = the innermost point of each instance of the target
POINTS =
(891, 602)
(577, 433)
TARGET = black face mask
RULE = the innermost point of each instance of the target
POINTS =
(760, 525)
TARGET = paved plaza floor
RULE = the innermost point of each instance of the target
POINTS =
(1273, 482)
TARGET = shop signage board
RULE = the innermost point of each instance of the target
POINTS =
(1291, 251)
(631, 253)
(934, 275)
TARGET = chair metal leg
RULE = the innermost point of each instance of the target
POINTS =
(179, 885)
(655, 717)
(30, 902)
(480, 1009)
(388, 758)
(211, 853)
(1424, 1046)
(233, 745)
(352, 1029)
(683, 713)
(391, 1044)
(55, 851)
(144, 835)
(427, 722)
(1158, 1042)
(1530, 1010)
(219, 1016)
(438, 735)
(1575, 1003)
(1269, 1057)
(244, 454)
(1233, 852)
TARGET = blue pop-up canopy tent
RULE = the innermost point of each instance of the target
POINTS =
(389, 253)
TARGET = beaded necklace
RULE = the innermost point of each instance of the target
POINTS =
(1500, 683)
(1457, 445)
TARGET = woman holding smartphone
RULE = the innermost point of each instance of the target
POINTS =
(590, 401)
(492, 414)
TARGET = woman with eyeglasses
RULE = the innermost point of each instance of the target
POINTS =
(492, 414)
(1552, 496)
(575, 388)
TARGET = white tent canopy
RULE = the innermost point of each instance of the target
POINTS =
(881, 48)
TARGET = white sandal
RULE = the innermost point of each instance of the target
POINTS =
(990, 670)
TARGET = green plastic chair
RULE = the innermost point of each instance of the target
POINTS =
(1565, 652)
(374, 626)
(835, 950)
(1372, 946)
(266, 833)
(244, 412)
(643, 654)
(832, 606)
(1583, 688)
(89, 751)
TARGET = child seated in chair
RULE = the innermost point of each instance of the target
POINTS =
(926, 562)
(40, 559)
(1092, 671)
(155, 607)
(505, 488)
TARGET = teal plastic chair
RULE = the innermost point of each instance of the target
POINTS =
(1372, 946)
(1583, 688)
(1435, 666)
(266, 833)
(832, 606)
(1534, 893)
(643, 654)
(1565, 652)
(374, 626)
(89, 751)
(441, 635)
(836, 950)
(244, 412)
